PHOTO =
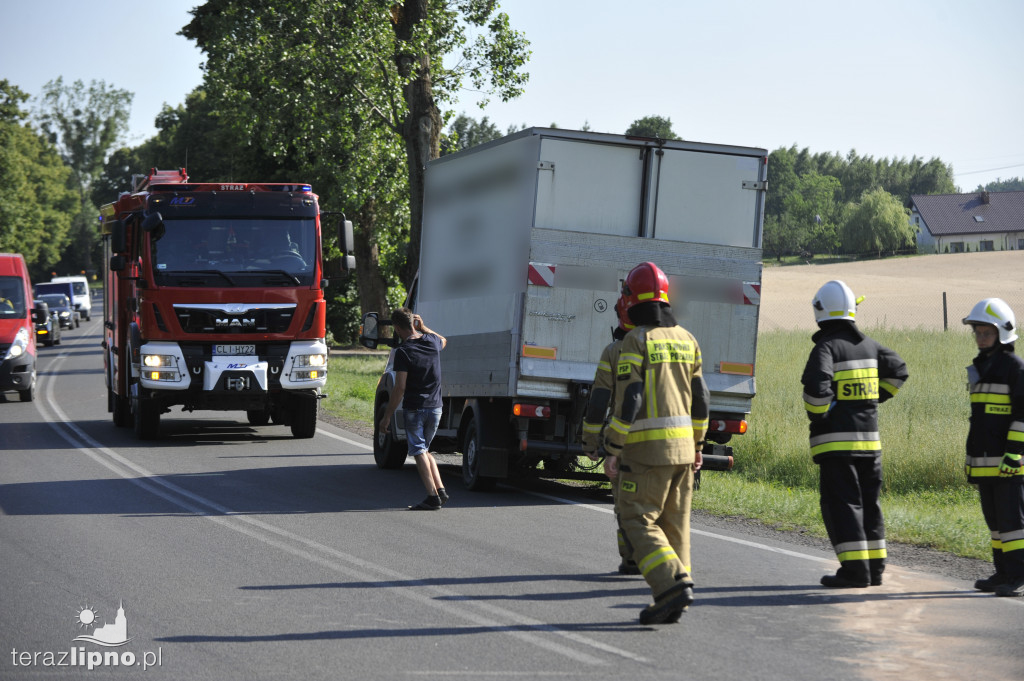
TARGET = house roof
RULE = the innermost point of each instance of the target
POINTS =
(949, 214)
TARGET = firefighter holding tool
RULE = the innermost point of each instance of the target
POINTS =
(654, 440)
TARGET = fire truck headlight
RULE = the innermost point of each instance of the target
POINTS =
(158, 360)
(310, 360)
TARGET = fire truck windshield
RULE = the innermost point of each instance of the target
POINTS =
(236, 252)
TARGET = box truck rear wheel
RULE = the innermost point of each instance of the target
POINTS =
(388, 452)
(471, 461)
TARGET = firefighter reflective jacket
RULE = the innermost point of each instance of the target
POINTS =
(661, 400)
(601, 397)
(996, 384)
(847, 375)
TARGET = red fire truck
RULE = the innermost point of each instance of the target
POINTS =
(214, 300)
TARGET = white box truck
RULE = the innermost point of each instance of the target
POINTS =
(525, 243)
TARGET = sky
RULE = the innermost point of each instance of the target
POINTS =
(889, 79)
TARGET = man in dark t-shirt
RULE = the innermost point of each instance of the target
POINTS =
(418, 390)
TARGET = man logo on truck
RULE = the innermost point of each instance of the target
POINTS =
(236, 323)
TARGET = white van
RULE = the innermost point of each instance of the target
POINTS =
(83, 297)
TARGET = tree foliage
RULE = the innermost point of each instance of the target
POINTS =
(465, 132)
(787, 226)
(36, 203)
(353, 90)
(653, 126)
(1015, 184)
(879, 222)
(84, 124)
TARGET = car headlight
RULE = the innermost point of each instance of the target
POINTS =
(65, 313)
(19, 346)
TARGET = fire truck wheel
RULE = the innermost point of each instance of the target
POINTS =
(304, 415)
(471, 461)
(147, 419)
(120, 408)
(258, 417)
(388, 451)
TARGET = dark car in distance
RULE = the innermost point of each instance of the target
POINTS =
(48, 332)
(66, 313)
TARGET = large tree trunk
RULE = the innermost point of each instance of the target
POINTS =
(373, 287)
(421, 128)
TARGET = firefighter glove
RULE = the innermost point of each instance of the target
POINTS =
(1010, 465)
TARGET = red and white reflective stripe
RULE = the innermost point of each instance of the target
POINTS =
(751, 293)
(541, 274)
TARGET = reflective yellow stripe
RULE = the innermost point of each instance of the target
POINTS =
(847, 446)
(656, 558)
(650, 384)
(1016, 545)
(591, 427)
(604, 366)
(990, 398)
(700, 424)
(851, 374)
(861, 555)
(888, 387)
(659, 434)
(618, 426)
(815, 409)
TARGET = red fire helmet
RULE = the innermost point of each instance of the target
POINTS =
(645, 283)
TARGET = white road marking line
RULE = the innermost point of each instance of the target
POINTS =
(351, 566)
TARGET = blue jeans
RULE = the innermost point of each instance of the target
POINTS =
(420, 427)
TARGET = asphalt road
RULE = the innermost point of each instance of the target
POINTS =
(237, 552)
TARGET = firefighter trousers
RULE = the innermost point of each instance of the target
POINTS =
(654, 507)
(849, 488)
(625, 549)
(1002, 504)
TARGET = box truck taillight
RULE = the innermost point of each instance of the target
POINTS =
(737, 426)
(531, 411)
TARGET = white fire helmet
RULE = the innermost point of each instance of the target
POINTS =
(996, 312)
(833, 301)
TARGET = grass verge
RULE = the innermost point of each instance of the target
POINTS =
(925, 498)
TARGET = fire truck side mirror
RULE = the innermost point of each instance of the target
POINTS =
(346, 244)
(369, 332)
(117, 263)
(154, 224)
(118, 243)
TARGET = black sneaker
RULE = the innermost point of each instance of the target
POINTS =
(837, 582)
(442, 495)
(989, 584)
(431, 503)
(669, 606)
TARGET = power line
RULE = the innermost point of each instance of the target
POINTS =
(975, 172)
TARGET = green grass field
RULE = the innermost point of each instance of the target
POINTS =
(926, 500)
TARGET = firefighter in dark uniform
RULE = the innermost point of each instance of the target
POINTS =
(598, 408)
(654, 441)
(847, 375)
(995, 441)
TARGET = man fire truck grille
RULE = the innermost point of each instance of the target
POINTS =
(252, 320)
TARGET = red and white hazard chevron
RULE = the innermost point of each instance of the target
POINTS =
(751, 292)
(541, 274)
